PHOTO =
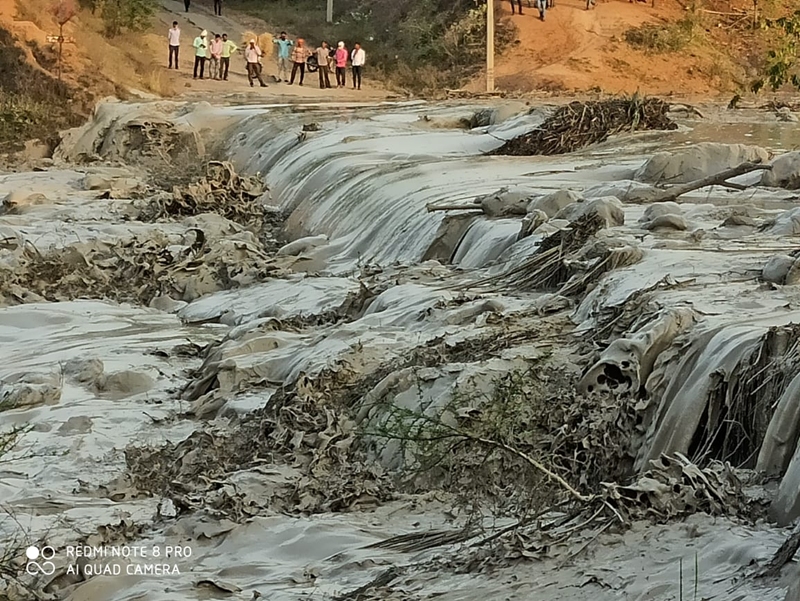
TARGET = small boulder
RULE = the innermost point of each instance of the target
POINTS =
(666, 222)
(504, 203)
(660, 209)
(83, 371)
(793, 277)
(777, 268)
(787, 223)
(609, 208)
(552, 203)
(785, 172)
(697, 161)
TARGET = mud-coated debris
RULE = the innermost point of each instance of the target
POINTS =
(139, 269)
(311, 127)
(84, 371)
(504, 202)
(554, 202)
(777, 268)
(785, 172)
(666, 222)
(221, 191)
(608, 208)
(785, 224)
(125, 383)
(569, 260)
(697, 161)
(580, 124)
(26, 394)
(77, 424)
(674, 486)
(217, 585)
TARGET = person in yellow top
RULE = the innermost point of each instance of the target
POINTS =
(228, 48)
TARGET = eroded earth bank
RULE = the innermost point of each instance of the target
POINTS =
(351, 352)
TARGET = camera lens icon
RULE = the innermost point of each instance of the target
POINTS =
(34, 567)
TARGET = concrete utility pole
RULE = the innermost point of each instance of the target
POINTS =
(489, 45)
(329, 15)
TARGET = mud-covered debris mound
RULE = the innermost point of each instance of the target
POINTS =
(579, 124)
(305, 432)
(568, 261)
(675, 487)
(137, 269)
(221, 191)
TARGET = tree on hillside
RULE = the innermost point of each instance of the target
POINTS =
(122, 15)
(782, 60)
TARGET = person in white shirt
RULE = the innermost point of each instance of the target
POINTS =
(357, 58)
(252, 55)
(174, 37)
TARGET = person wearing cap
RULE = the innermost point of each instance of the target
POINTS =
(252, 56)
(341, 65)
(358, 58)
(323, 54)
(284, 44)
(300, 55)
(215, 50)
(228, 48)
(200, 53)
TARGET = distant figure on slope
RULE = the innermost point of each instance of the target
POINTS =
(218, 7)
(215, 50)
(358, 58)
(284, 44)
(228, 48)
(200, 53)
(323, 58)
(542, 6)
(300, 55)
(518, 4)
(341, 65)
(252, 55)
(186, 4)
(174, 37)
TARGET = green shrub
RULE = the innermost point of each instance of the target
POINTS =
(660, 38)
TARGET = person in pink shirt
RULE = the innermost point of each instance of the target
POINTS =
(341, 65)
(216, 51)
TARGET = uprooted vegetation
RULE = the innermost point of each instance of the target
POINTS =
(658, 38)
(214, 254)
(579, 124)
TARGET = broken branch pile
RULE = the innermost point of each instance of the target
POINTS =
(137, 269)
(674, 487)
(580, 124)
(220, 191)
(567, 260)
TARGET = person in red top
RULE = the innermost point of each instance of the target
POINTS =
(341, 65)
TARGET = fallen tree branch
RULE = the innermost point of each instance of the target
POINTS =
(782, 556)
(533, 463)
(469, 207)
(711, 180)
(382, 579)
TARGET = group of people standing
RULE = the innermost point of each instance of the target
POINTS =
(329, 60)
(292, 58)
(541, 5)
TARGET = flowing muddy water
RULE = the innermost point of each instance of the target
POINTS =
(369, 278)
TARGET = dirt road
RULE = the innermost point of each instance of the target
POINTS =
(578, 49)
(235, 25)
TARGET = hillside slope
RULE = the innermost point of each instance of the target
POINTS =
(576, 49)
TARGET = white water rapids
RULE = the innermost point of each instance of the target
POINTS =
(360, 183)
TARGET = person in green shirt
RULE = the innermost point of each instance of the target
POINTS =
(200, 53)
(228, 48)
